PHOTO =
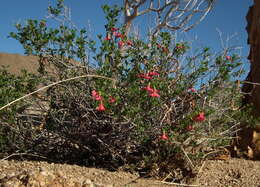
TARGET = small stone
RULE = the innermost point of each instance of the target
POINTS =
(87, 181)
(60, 174)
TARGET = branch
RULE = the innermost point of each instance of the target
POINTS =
(53, 84)
(171, 14)
(200, 20)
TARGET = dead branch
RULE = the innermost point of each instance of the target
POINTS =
(170, 14)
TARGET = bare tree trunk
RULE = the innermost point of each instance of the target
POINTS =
(128, 25)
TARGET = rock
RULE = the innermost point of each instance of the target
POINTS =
(253, 29)
(248, 138)
(16, 63)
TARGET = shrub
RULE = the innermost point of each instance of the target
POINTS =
(12, 87)
(152, 106)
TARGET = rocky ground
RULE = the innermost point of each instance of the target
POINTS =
(233, 173)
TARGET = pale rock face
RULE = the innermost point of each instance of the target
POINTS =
(15, 63)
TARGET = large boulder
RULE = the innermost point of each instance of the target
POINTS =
(253, 28)
(250, 137)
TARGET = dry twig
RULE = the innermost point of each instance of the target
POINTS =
(53, 84)
(169, 14)
(20, 154)
(179, 184)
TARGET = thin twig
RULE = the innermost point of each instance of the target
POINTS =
(179, 184)
(167, 176)
(166, 114)
(20, 154)
(202, 166)
(248, 82)
(212, 152)
(187, 157)
(53, 84)
(200, 170)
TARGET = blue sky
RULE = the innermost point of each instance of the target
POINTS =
(228, 16)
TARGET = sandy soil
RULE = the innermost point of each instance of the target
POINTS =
(233, 173)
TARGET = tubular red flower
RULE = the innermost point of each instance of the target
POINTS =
(108, 37)
(193, 90)
(228, 58)
(147, 77)
(120, 44)
(164, 137)
(200, 117)
(189, 128)
(111, 99)
(153, 73)
(179, 46)
(117, 34)
(154, 93)
(94, 93)
(148, 88)
(130, 43)
(113, 29)
(141, 75)
(98, 98)
(101, 107)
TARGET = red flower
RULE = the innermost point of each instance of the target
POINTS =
(179, 46)
(117, 34)
(113, 29)
(96, 95)
(130, 43)
(148, 88)
(120, 44)
(144, 76)
(193, 90)
(111, 99)
(101, 107)
(189, 127)
(154, 93)
(108, 37)
(200, 117)
(153, 73)
(228, 58)
(164, 137)
(141, 75)
(147, 77)
(98, 98)
(158, 46)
